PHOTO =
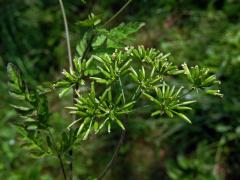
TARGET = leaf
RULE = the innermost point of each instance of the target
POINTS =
(22, 131)
(88, 130)
(182, 116)
(186, 102)
(90, 22)
(187, 71)
(14, 75)
(49, 143)
(64, 91)
(109, 95)
(105, 73)
(109, 127)
(169, 113)
(78, 64)
(119, 99)
(82, 45)
(61, 84)
(32, 127)
(104, 94)
(183, 108)
(151, 98)
(74, 122)
(129, 105)
(96, 126)
(156, 113)
(120, 123)
(82, 125)
(99, 41)
(92, 90)
(100, 80)
(42, 106)
(68, 76)
(120, 35)
(17, 96)
(143, 74)
(102, 125)
(214, 92)
(20, 108)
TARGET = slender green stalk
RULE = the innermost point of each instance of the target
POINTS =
(71, 69)
(58, 155)
(117, 13)
(120, 141)
(88, 47)
(189, 91)
(67, 35)
(110, 163)
(62, 166)
(105, 24)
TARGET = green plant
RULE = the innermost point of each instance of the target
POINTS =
(109, 80)
(193, 166)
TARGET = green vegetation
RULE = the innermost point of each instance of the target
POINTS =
(124, 101)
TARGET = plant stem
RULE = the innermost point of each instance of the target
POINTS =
(120, 141)
(71, 70)
(62, 166)
(117, 13)
(88, 47)
(189, 91)
(110, 163)
(58, 155)
(105, 24)
(67, 35)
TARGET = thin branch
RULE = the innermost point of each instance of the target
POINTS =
(110, 163)
(67, 35)
(141, 108)
(189, 91)
(105, 24)
(120, 141)
(88, 47)
(58, 155)
(62, 166)
(71, 70)
(117, 13)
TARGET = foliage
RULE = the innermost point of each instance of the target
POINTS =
(194, 32)
(144, 69)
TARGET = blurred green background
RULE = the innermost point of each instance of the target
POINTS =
(204, 32)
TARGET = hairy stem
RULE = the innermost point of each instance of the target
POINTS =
(110, 163)
(62, 166)
(67, 35)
